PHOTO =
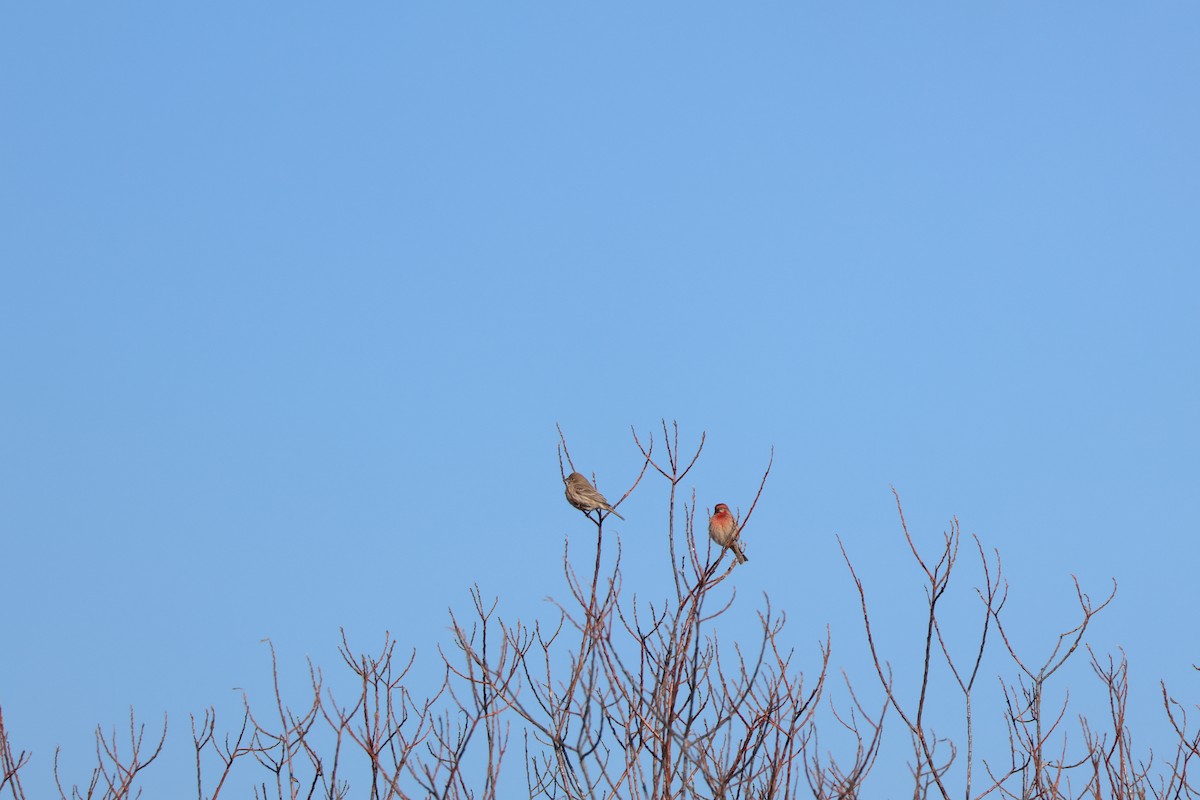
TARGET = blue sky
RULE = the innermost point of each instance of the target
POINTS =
(293, 297)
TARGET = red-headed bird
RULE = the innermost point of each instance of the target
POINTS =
(723, 529)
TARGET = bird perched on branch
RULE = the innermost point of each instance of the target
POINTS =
(723, 529)
(584, 496)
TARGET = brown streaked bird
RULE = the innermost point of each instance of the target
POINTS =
(723, 529)
(584, 496)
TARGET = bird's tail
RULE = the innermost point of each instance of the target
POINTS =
(612, 510)
(738, 554)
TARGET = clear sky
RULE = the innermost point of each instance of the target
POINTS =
(294, 294)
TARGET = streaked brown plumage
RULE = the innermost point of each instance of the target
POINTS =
(723, 529)
(584, 496)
